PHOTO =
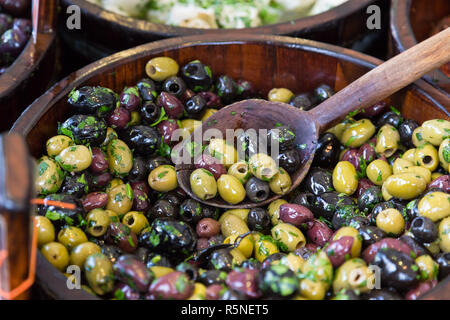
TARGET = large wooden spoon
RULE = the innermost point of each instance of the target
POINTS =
(374, 86)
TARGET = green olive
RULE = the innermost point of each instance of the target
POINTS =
(70, 237)
(357, 133)
(319, 267)
(163, 178)
(274, 210)
(230, 189)
(435, 130)
(400, 165)
(338, 130)
(120, 199)
(241, 213)
(75, 158)
(427, 266)
(280, 95)
(190, 124)
(240, 171)
(388, 139)
(45, 230)
(110, 136)
(293, 262)
(405, 185)
(57, 144)
(378, 171)
(262, 166)
(444, 154)
(56, 254)
(225, 153)
(353, 275)
(435, 175)
(444, 235)
(433, 247)
(161, 68)
(135, 118)
(345, 179)
(80, 253)
(137, 221)
(289, 236)
(264, 248)
(417, 137)
(203, 184)
(426, 156)
(99, 273)
(409, 155)
(386, 195)
(113, 183)
(313, 290)
(199, 292)
(281, 183)
(391, 221)
(357, 240)
(208, 113)
(98, 221)
(49, 176)
(435, 206)
(231, 224)
(245, 244)
(120, 158)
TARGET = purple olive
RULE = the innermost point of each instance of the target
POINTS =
(202, 243)
(141, 186)
(140, 201)
(15, 7)
(6, 22)
(123, 291)
(122, 236)
(94, 200)
(212, 99)
(211, 164)
(24, 25)
(312, 247)
(11, 44)
(363, 185)
(207, 227)
(172, 106)
(352, 156)
(130, 99)
(367, 152)
(99, 163)
(295, 214)
(128, 269)
(166, 128)
(374, 110)
(213, 291)
(337, 250)
(369, 253)
(442, 182)
(119, 118)
(318, 232)
(421, 289)
(175, 285)
(245, 282)
(101, 180)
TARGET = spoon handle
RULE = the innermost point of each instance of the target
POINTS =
(385, 79)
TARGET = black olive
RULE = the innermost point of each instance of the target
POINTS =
(326, 204)
(406, 130)
(369, 198)
(381, 294)
(97, 101)
(370, 235)
(323, 92)
(175, 86)
(318, 181)
(415, 246)
(358, 221)
(303, 101)
(257, 190)
(220, 260)
(147, 89)
(174, 198)
(258, 219)
(113, 253)
(398, 204)
(190, 270)
(273, 257)
(285, 136)
(391, 118)
(139, 171)
(278, 281)
(143, 140)
(443, 260)
(61, 216)
(77, 184)
(141, 254)
(212, 276)
(327, 151)
(197, 76)
(305, 199)
(195, 106)
(6, 22)
(247, 144)
(171, 237)
(84, 129)
(12, 42)
(157, 260)
(343, 215)
(398, 269)
(378, 208)
(289, 160)
(191, 211)
(155, 162)
(210, 212)
(251, 264)
(246, 90)
(217, 239)
(162, 209)
(150, 112)
(227, 89)
(231, 294)
(424, 229)
(303, 253)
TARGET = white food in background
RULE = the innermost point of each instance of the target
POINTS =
(124, 7)
(191, 16)
(325, 5)
(238, 16)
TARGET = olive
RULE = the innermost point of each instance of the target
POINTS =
(240, 171)
(323, 92)
(212, 100)
(378, 208)
(289, 160)
(244, 281)
(121, 235)
(167, 128)
(207, 228)
(77, 184)
(220, 260)
(303, 101)
(175, 86)
(295, 214)
(124, 291)
(190, 270)
(305, 199)
(162, 208)
(99, 162)
(397, 268)
(195, 106)
(142, 139)
(281, 183)
(84, 129)
(56, 254)
(318, 181)
(326, 204)
(327, 151)
(139, 170)
(12, 42)
(374, 110)
(147, 89)
(163, 179)
(150, 113)
(284, 135)
(417, 248)
(171, 104)
(61, 216)
(56, 144)
(390, 118)
(370, 252)
(191, 211)
(99, 273)
(119, 118)
(75, 158)
(155, 259)
(278, 281)
(133, 272)
(203, 184)
(230, 189)
(211, 164)
(366, 153)
(381, 294)
(406, 129)
(46, 230)
(169, 236)
(6, 22)
(342, 215)
(443, 260)
(174, 285)
(80, 253)
(257, 190)
(369, 198)
(112, 252)
(338, 250)
(248, 144)
(140, 201)
(358, 221)
(352, 156)
(258, 219)
(120, 199)
(212, 276)
(197, 76)
(424, 229)
(130, 99)
(161, 68)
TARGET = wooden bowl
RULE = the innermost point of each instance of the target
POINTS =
(29, 75)
(267, 61)
(103, 32)
(411, 22)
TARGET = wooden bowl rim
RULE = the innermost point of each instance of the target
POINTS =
(402, 33)
(143, 26)
(47, 275)
(38, 45)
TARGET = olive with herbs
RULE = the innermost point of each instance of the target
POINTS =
(424, 229)
(197, 76)
(162, 209)
(327, 151)
(369, 198)
(323, 92)
(318, 181)
(258, 219)
(406, 129)
(121, 235)
(257, 190)
(175, 86)
(84, 129)
(284, 135)
(191, 211)
(142, 139)
(147, 89)
(195, 106)
(88, 100)
(150, 112)
(220, 260)
(77, 184)
(303, 101)
(227, 89)
(326, 204)
(390, 118)
(278, 281)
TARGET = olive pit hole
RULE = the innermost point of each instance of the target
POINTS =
(152, 70)
(427, 159)
(130, 221)
(98, 229)
(174, 87)
(261, 194)
(242, 170)
(191, 69)
(418, 223)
